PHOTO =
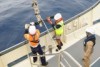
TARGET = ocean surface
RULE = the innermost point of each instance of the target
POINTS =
(14, 14)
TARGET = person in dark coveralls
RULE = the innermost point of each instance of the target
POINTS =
(32, 35)
(89, 43)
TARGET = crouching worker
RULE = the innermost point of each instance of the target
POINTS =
(89, 43)
(32, 35)
(58, 28)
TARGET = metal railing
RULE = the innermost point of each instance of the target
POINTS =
(59, 62)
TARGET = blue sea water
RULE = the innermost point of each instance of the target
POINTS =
(14, 14)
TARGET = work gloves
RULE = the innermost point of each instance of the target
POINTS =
(27, 26)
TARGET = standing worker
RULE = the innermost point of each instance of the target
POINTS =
(89, 43)
(32, 35)
(58, 27)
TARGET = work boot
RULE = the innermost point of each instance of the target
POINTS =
(45, 64)
(34, 59)
(61, 44)
(58, 47)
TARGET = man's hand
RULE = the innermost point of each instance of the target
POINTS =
(27, 26)
(49, 20)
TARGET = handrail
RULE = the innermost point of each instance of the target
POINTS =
(85, 11)
(12, 48)
(45, 32)
(45, 55)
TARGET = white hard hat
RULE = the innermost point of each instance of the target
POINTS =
(32, 30)
(31, 23)
(57, 16)
(90, 30)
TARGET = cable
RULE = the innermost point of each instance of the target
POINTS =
(48, 31)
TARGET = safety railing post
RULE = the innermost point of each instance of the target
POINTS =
(59, 60)
(50, 49)
(39, 61)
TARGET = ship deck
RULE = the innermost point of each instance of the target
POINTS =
(70, 56)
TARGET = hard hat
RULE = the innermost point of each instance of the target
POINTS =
(32, 30)
(57, 16)
(90, 30)
(32, 23)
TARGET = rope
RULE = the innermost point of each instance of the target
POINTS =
(48, 31)
(38, 16)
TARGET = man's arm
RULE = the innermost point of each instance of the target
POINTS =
(26, 28)
(49, 20)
